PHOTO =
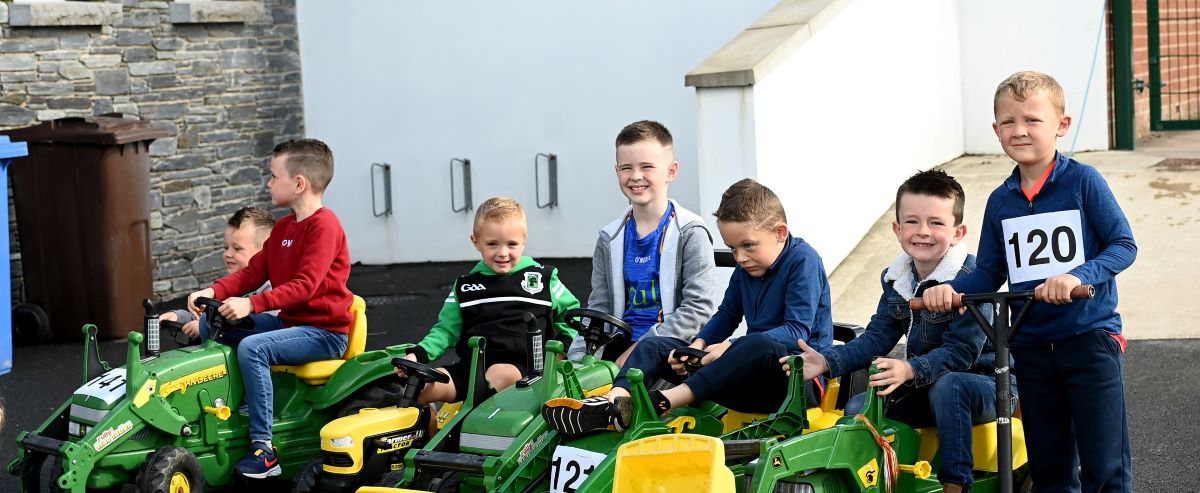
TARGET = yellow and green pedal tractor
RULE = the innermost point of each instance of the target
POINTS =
(168, 422)
(484, 443)
(862, 453)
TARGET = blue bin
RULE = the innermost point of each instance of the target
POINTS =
(8, 151)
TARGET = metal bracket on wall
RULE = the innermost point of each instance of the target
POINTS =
(386, 172)
(466, 175)
(552, 181)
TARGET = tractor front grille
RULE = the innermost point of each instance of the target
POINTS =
(336, 459)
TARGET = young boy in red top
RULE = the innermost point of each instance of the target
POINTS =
(308, 262)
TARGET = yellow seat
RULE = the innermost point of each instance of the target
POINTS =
(983, 445)
(318, 372)
(692, 463)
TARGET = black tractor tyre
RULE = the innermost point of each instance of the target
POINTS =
(391, 479)
(30, 325)
(166, 463)
(306, 480)
(379, 394)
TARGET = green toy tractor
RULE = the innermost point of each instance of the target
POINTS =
(863, 453)
(169, 422)
(482, 441)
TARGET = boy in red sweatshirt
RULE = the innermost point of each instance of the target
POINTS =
(307, 261)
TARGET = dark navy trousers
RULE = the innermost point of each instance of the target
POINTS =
(1073, 409)
(747, 378)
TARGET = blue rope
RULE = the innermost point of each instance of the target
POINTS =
(1087, 89)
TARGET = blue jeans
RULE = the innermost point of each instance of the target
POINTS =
(1076, 425)
(232, 337)
(954, 403)
(272, 344)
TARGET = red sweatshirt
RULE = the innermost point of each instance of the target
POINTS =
(308, 263)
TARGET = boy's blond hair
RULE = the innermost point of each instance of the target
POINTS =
(261, 219)
(749, 201)
(309, 158)
(1022, 85)
(498, 209)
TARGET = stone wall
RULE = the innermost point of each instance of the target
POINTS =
(222, 77)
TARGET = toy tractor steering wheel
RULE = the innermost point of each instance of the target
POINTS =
(597, 328)
(419, 375)
(217, 323)
(694, 357)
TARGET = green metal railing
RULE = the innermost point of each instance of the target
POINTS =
(1174, 64)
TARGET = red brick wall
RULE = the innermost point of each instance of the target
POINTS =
(1141, 70)
(1179, 55)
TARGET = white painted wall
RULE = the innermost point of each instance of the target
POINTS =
(1058, 38)
(886, 89)
(843, 120)
(415, 84)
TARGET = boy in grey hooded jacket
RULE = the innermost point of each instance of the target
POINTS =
(658, 245)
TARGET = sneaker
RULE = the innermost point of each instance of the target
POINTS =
(260, 462)
(573, 417)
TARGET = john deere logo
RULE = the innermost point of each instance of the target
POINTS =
(532, 283)
(777, 462)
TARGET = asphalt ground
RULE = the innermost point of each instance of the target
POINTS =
(1161, 376)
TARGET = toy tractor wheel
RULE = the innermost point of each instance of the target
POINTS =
(171, 470)
(306, 480)
(378, 394)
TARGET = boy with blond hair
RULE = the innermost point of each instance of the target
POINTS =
(778, 286)
(490, 301)
(653, 265)
(1054, 224)
(245, 233)
(946, 378)
(307, 260)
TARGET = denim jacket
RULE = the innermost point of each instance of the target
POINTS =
(938, 343)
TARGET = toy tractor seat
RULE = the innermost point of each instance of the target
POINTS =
(318, 372)
(983, 445)
(832, 403)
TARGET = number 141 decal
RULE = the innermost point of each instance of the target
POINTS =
(1043, 245)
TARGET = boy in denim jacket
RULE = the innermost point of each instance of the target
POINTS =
(1053, 225)
(947, 377)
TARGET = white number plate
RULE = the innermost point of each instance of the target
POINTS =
(570, 467)
(1043, 245)
(108, 387)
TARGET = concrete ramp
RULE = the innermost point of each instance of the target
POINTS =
(1158, 187)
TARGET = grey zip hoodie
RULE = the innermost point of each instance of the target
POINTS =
(686, 264)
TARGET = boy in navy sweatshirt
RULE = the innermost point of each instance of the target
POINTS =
(779, 287)
(1051, 226)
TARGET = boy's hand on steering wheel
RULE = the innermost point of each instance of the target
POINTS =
(894, 373)
(677, 363)
(203, 293)
(192, 329)
(400, 371)
(236, 308)
(715, 351)
(814, 363)
(1056, 290)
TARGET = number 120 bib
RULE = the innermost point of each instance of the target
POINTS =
(1042, 245)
